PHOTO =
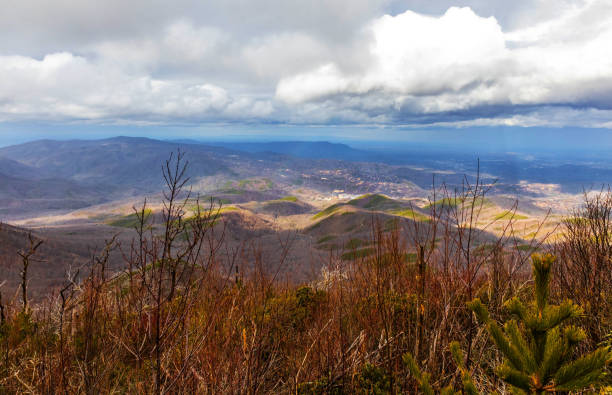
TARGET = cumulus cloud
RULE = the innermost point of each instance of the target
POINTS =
(64, 86)
(412, 54)
(525, 62)
(462, 65)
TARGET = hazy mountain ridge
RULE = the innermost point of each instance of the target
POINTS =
(117, 161)
(65, 175)
(80, 173)
(304, 149)
(570, 172)
(97, 171)
(89, 189)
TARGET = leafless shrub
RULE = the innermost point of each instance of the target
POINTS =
(585, 266)
(27, 257)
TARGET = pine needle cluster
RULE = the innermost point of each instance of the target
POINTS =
(538, 345)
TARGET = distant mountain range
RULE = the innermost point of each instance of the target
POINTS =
(56, 175)
(306, 149)
(120, 161)
(71, 174)
(66, 175)
(571, 173)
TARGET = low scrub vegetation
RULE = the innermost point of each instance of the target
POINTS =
(422, 311)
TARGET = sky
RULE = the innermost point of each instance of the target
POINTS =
(305, 66)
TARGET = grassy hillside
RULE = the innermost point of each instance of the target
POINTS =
(359, 211)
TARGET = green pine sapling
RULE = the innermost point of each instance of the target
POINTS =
(538, 346)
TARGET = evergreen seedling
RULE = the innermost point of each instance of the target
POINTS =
(538, 346)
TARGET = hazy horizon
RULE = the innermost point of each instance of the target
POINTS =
(587, 142)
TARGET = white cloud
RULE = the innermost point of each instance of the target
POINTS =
(65, 86)
(180, 48)
(463, 62)
(274, 56)
(341, 61)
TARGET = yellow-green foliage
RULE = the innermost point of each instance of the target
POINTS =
(509, 215)
(446, 202)
(256, 183)
(209, 215)
(205, 201)
(279, 202)
(329, 210)
(131, 220)
(233, 191)
(375, 202)
(411, 214)
(288, 199)
(457, 201)
(214, 211)
(364, 196)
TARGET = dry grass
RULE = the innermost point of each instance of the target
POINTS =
(189, 314)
